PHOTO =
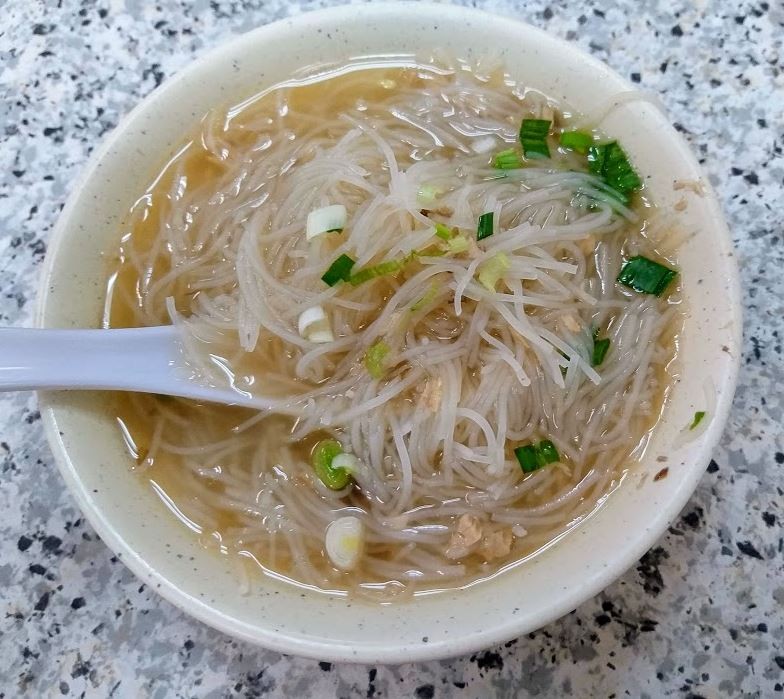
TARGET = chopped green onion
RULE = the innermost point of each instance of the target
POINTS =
(610, 161)
(546, 453)
(532, 457)
(329, 219)
(596, 156)
(323, 454)
(344, 542)
(313, 324)
(600, 348)
(611, 197)
(492, 270)
(697, 419)
(348, 462)
(533, 136)
(381, 269)
(647, 276)
(443, 231)
(508, 159)
(526, 456)
(457, 244)
(579, 141)
(339, 270)
(485, 227)
(428, 297)
(427, 194)
(374, 358)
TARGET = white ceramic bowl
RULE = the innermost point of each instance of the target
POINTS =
(131, 519)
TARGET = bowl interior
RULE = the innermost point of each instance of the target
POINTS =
(138, 526)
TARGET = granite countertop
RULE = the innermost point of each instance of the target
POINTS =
(700, 615)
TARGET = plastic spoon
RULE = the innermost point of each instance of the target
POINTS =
(147, 360)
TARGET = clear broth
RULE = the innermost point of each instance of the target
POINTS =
(196, 501)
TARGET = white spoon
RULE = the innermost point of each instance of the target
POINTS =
(147, 360)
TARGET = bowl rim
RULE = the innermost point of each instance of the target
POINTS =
(300, 645)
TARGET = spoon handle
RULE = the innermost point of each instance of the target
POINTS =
(127, 359)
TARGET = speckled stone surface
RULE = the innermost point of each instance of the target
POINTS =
(702, 614)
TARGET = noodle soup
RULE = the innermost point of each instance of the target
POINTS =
(452, 294)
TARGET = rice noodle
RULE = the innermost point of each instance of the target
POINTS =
(218, 246)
